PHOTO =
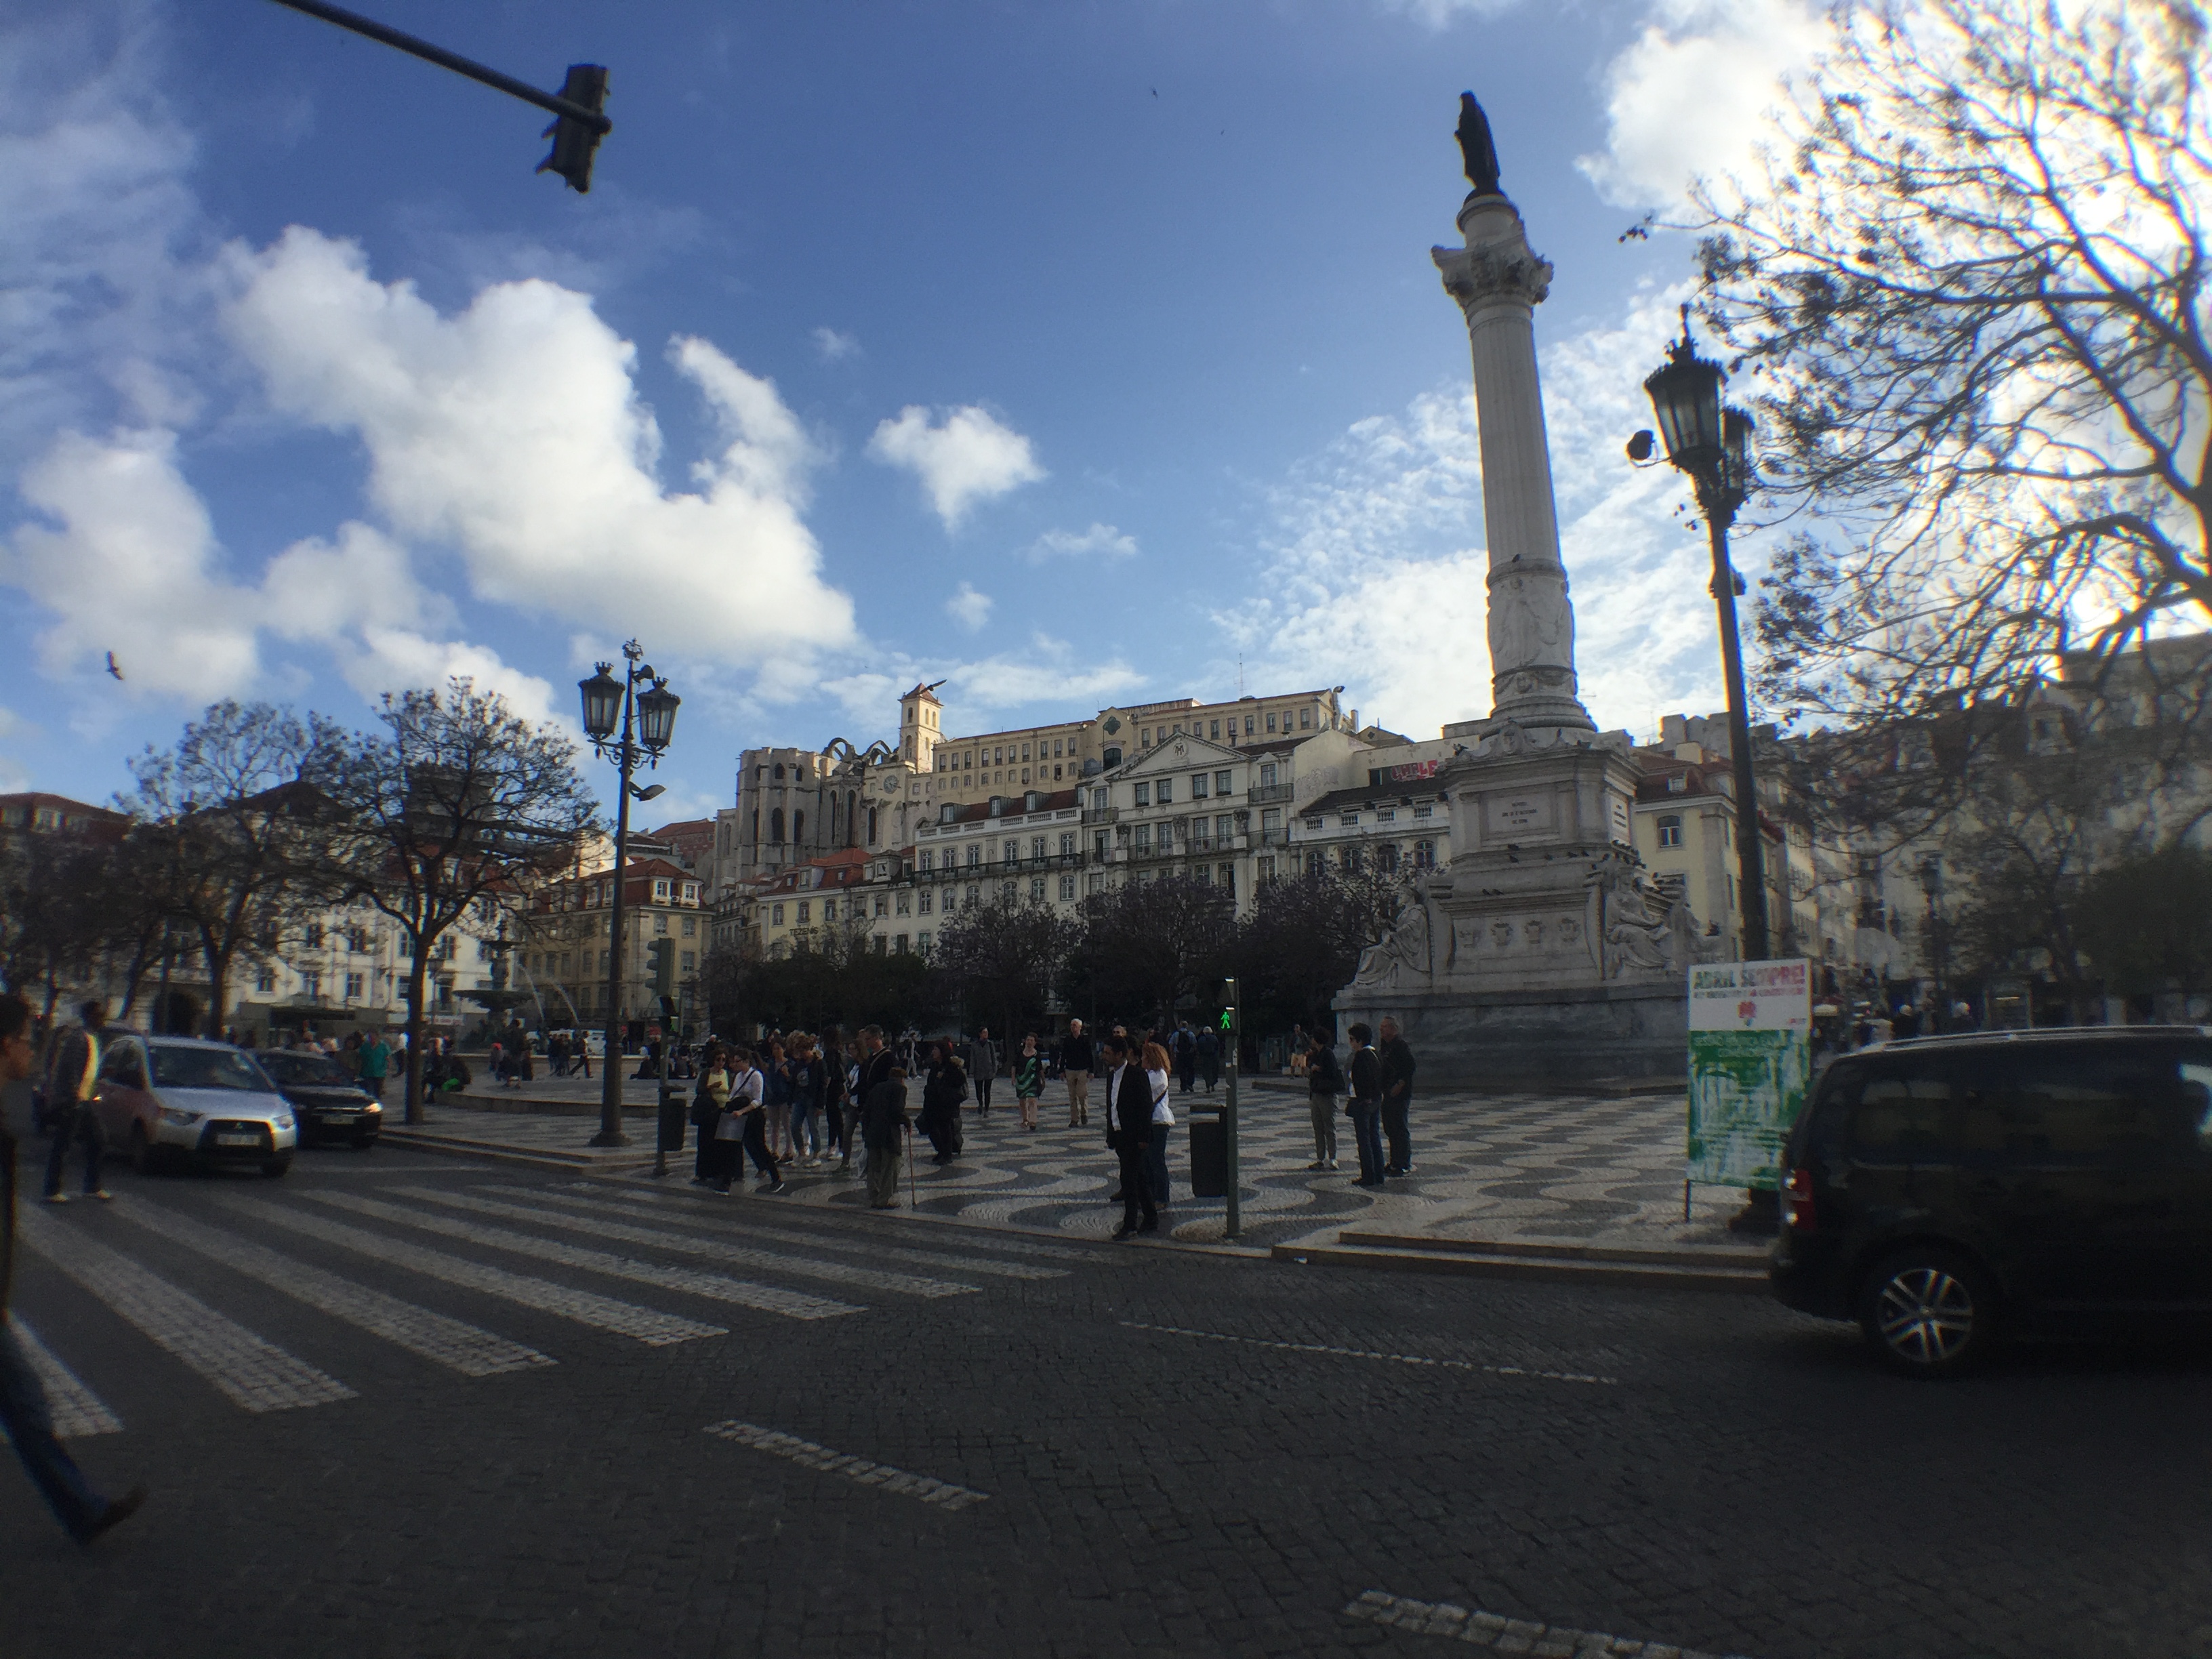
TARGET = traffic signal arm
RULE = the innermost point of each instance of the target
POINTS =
(578, 104)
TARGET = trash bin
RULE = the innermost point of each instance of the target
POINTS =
(672, 1120)
(1209, 1155)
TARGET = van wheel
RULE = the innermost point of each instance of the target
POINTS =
(1929, 1311)
(143, 1156)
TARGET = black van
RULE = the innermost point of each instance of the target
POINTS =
(1939, 1190)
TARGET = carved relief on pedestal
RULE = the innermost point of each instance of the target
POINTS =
(1401, 958)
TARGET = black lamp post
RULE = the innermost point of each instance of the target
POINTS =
(1712, 445)
(646, 720)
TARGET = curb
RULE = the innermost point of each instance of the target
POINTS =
(1737, 1272)
(494, 1152)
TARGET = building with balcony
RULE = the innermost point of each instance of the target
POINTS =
(566, 950)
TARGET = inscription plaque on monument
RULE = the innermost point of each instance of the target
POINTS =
(1513, 817)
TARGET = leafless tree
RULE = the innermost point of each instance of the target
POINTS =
(228, 831)
(1970, 293)
(457, 801)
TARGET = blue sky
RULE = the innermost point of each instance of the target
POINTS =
(1071, 353)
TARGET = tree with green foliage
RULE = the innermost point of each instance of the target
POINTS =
(1005, 957)
(2146, 924)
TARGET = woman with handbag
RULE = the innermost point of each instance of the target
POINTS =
(1028, 1080)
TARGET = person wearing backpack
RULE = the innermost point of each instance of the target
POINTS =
(1324, 1083)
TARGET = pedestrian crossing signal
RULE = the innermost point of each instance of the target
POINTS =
(574, 143)
(1228, 1027)
(660, 960)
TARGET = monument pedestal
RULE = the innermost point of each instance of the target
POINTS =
(1542, 958)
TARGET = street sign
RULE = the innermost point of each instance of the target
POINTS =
(1751, 1056)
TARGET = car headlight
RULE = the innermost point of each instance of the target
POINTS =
(170, 1115)
(283, 1120)
(371, 1109)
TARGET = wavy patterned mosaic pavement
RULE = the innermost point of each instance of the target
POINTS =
(1495, 1166)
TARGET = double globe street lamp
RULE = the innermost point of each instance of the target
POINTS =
(1711, 443)
(645, 720)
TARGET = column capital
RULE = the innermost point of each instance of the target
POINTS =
(1500, 271)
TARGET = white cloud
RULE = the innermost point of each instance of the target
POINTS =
(1378, 557)
(1049, 672)
(130, 564)
(1693, 95)
(95, 280)
(968, 608)
(834, 347)
(512, 431)
(967, 458)
(1101, 541)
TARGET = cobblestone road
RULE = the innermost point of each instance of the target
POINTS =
(399, 1405)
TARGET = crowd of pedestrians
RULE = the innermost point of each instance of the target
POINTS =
(795, 1101)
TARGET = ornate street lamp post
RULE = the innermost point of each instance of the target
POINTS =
(646, 720)
(1712, 445)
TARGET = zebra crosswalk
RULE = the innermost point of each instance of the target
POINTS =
(424, 1267)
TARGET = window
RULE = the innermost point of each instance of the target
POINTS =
(1198, 786)
(805, 907)
(1425, 812)
(357, 940)
(882, 945)
(1067, 845)
(921, 902)
(690, 926)
(1144, 838)
(1059, 747)
(1215, 729)
(264, 982)
(883, 904)
(1670, 830)
(1353, 857)
(776, 915)
(1036, 891)
(921, 943)
(1067, 887)
(1271, 720)
(689, 962)
(690, 894)
(1268, 775)
(1386, 857)
(928, 860)
(311, 986)
(775, 824)
(1167, 791)
(1267, 869)
(1248, 725)
(1142, 794)
(1349, 820)
(1305, 719)
(1221, 783)
(1386, 815)
(1145, 737)
(1036, 848)
(975, 897)
(1011, 854)
(975, 854)
(406, 945)
(1227, 876)
(311, 935)
(798, 826)
(1424, 855)
(1224, 827)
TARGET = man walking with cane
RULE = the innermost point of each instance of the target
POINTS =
(23, 1409)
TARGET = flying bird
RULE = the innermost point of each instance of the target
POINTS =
(1156, 91)
(112, 668)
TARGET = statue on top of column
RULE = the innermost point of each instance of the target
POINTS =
(1476, 147)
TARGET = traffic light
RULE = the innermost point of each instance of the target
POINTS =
(661, 959)
(1228, 1012)
(575, 143)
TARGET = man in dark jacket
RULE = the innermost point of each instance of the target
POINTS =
(1397, 1096)
(74, 1074)
(1129, 1134)
(1075, 1057)
(944, 1086)
(1366, 1104)
(882, 1132)
(24, 1412)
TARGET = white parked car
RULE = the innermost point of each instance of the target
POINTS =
(165, 1099)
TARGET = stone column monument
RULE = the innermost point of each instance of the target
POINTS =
(1499, 283)
(1542, 955)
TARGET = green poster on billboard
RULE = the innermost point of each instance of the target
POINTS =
(1751, 1055)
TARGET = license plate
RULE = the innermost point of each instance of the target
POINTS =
(337, 1117)
(238, 1140)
